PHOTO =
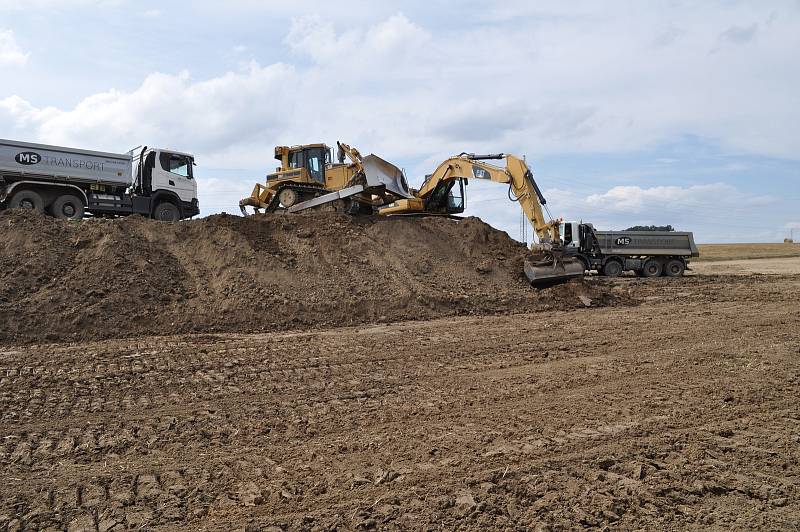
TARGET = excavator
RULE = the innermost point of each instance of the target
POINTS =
(308, 179)
(442, 193)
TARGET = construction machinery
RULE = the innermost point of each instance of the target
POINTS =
(647, 253)
(69, 183)
(308, 179)
(442, 193)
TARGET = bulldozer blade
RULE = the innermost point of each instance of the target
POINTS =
(549, 272)
(382, 173)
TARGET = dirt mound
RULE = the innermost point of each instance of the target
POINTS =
(123, 277)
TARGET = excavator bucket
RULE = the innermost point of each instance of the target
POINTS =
(549, 270)
(382, 173)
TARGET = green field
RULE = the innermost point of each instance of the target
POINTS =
(747, 251)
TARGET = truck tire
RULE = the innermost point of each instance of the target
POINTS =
(67, 207)
(652, 268)
(27, 199)
(674, 268)
(612, 268)
(166, 212)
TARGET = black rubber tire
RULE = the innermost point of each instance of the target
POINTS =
(612, 268)
(67, 207)
(674, 268)
(27, 199)
(166, 212)
(652, 268)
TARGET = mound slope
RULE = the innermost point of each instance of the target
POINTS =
(132, 276)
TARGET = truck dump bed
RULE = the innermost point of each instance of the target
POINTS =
(649, 243)
(63, 164)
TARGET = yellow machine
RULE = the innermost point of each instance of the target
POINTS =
(443, 193)
(307, 178)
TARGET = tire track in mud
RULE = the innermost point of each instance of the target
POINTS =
(501, 421)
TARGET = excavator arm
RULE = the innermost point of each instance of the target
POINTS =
(516, 174)
(548, 263)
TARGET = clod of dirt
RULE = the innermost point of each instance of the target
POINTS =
(132, 276)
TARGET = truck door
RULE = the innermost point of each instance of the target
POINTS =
(176, 174)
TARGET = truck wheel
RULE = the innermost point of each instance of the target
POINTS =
(674, 268)
(27, 199)
(166, 212)
(612, 268)
(67, 207)
(652, 268)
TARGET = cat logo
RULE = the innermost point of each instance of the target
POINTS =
(623, 241)
(480, 173)
(28, 158)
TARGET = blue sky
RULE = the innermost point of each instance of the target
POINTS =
(629, 112)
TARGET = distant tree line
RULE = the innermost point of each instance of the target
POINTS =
(651, 228)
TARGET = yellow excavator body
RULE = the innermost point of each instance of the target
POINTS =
(547, 263)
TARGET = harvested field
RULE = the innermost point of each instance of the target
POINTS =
(787, 265)
(718, 252)
(679, 411)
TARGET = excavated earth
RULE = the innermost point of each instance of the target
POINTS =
(460, 398)
(133, 276)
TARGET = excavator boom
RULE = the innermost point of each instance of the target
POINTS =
(547, 264)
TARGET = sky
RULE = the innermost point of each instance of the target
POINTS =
(629, 113)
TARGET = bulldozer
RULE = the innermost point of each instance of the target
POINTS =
(443, 193)
(307, 178)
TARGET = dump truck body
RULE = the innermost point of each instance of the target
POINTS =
(647, 243)
(648, 253)
(68, 182)
(39, 161)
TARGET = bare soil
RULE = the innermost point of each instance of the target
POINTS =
(131, 277)
(680, 412)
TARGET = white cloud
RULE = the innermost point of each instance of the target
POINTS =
(201, 116)
(528, 78)
(29, 5)
(586, 79)
(151, 13)
(10, 52)
(717, 212)
(636, 200)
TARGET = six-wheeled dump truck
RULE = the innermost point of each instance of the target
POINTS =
(648, 253)
(68, 183)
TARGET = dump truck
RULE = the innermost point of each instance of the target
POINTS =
(647, 253)
(307, 178)
(69, 183)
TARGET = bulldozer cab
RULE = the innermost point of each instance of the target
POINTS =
(304, 164)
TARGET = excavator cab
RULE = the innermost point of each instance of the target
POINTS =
(448, 197)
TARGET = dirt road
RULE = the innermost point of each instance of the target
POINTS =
(679, 412)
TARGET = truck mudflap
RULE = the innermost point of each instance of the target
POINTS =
(550, 269)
